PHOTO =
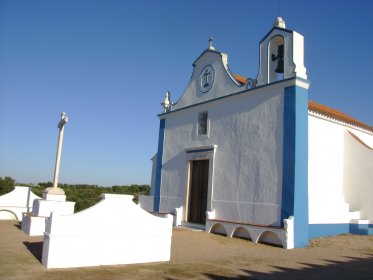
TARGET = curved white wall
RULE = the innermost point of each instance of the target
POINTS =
(18, 201)
(114, 231)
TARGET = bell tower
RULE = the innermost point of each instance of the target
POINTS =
(281, 54)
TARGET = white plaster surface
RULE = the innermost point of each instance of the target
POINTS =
(358, 176)
(33, 224)
(325, 173)
(114, 231)
(339, 172)
(146, 202)
(178, 216)
(277, 236)
(224, 83)
(246, 130)
(44, 208)
(16, 202)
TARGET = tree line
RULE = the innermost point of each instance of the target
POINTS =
(84, 195)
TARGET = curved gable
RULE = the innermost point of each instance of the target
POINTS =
(210, 79)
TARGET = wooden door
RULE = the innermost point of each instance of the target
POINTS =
(198, 192)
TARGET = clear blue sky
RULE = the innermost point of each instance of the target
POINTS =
(108, 64)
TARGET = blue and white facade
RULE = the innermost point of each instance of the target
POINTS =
(253, 140)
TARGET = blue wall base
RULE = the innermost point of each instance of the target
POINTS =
(320, 230)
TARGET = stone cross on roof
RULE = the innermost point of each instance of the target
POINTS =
(211, 47)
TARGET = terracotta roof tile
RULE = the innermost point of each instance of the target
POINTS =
(322, 109)
(335, 114)
(242, 80)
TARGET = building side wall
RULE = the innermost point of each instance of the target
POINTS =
(358, 177)
(338, 176)
(325, 168)
(247, 130)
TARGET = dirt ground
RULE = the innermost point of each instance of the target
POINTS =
(198, 255)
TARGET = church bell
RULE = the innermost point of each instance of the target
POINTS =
(280, 58)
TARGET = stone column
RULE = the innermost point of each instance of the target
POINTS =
(55, 189)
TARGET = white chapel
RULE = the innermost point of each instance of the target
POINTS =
(255, 158)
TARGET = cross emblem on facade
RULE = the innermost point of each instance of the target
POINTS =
(206, 74)
(206, 78)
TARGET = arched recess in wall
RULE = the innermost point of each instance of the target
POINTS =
(270, 238)
(218, 229)
(241, 232)
(276, 59)
(7, 215)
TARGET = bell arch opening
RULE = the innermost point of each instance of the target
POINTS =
(276, 57)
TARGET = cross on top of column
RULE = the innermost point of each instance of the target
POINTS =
(64, 120)
(55, 190)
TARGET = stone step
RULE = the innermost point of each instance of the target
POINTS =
(361, 227)
(354, 215)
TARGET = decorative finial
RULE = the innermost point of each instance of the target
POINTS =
(166, 103)
(279, 22)
(211, 47)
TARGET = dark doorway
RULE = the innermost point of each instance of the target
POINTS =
(198, 192)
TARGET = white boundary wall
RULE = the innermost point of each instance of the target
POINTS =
(114, 231)
(17, 202)
(33, 224)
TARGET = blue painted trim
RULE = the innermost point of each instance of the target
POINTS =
(319, 230)
(295, 162)
(301, 169)
(233, 94)
(362, 229)
(288, 157)
(158, 176)
(200, 150)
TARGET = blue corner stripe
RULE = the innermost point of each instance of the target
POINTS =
(288, 158)
(295, 162)
(157, 190)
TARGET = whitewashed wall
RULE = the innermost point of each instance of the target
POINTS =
(328, 203)
(224, 83)
(247, 131)
(114, 231)
(325, 172)
(358, 176)
(18, 201)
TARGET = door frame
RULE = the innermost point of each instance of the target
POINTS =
(194, 154)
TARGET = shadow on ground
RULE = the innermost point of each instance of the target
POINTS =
(352, 268)
(36, 249)
(18, 225)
